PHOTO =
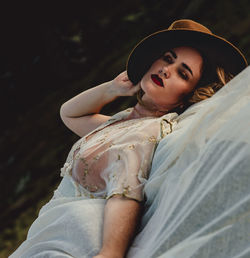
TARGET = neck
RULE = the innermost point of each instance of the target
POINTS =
(140, 111)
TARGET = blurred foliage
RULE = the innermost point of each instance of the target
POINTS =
(52, 51)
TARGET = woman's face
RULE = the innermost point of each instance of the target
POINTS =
(171, 77)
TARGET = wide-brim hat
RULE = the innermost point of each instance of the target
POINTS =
(217, 50)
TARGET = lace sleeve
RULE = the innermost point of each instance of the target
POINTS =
(168, 122)
(129, 169)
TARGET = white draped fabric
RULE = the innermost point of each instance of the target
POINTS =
(199, 187)
(198, 192)
(66, 227)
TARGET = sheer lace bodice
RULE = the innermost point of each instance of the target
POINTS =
(116, 157)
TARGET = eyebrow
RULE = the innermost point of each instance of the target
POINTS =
(173, 53)
(187, 67)
(183, 64)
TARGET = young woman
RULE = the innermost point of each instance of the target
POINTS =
(109, 165)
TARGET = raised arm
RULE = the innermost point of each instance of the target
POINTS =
(81, 113)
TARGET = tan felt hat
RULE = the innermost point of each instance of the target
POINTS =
(217, 50)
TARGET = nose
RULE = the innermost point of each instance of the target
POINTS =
(164, 72)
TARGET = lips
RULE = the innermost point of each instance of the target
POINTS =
(157, 80)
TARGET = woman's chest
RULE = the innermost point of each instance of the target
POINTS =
(114, 139)
(120, 134)
(111, 148)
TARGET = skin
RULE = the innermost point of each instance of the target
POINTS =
(178, 79)
(81, 115)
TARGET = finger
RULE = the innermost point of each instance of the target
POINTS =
(128, 83)
(136, 88)
(125, 78)
(121, 76)
(125, 75)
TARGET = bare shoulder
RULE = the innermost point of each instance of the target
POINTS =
(85, 124)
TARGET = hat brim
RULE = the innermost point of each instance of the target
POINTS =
(219, 51)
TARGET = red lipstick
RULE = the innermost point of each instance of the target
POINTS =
(157, 80)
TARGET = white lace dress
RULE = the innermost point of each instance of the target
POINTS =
(113, 159)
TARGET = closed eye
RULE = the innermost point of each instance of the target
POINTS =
(183, 75)
(168, 59)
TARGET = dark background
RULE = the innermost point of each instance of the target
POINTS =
(53, 51)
